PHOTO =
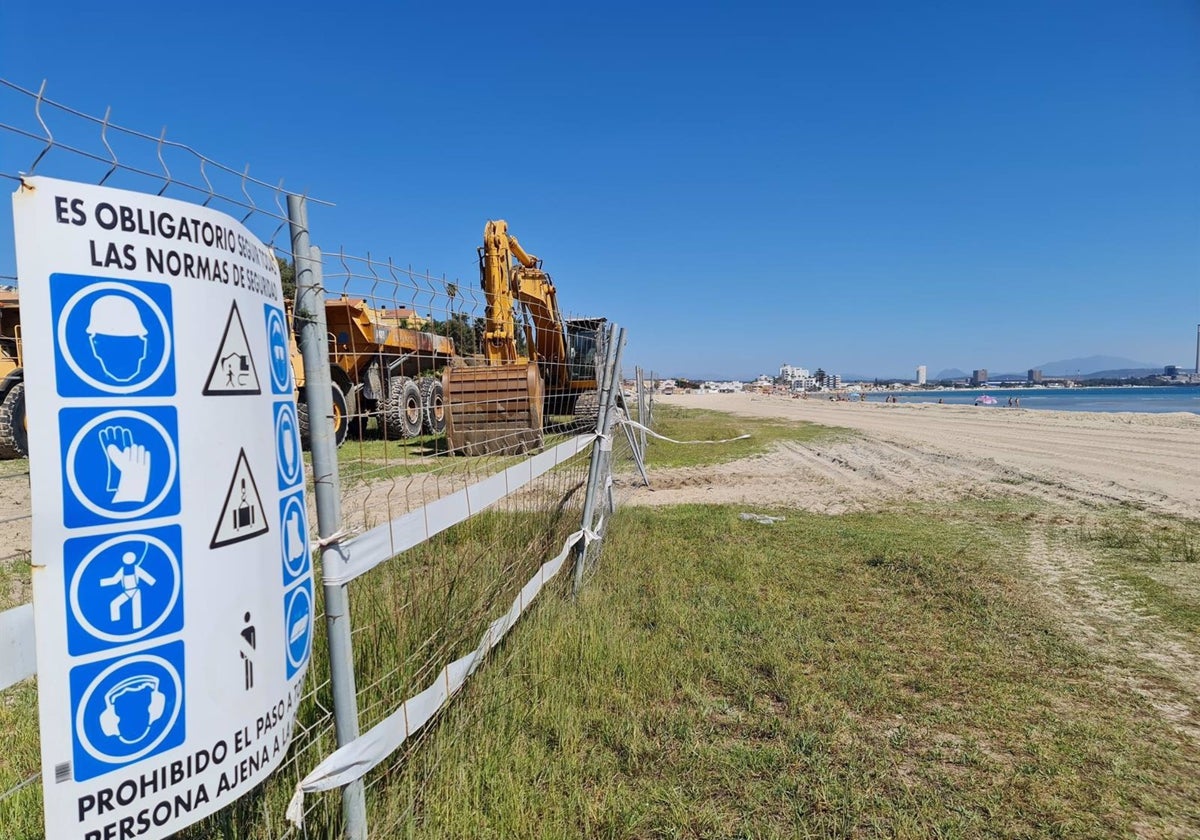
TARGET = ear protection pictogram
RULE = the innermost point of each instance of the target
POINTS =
(110, 721)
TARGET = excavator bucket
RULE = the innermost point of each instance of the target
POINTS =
(493, 409)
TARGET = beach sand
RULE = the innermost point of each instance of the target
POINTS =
(1081, 465)
(936, 452)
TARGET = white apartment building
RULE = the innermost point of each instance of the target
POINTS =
(791, 372)
(920, 374)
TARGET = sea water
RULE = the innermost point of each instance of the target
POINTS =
(1157, 400)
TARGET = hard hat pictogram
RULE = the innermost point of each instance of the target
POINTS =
(115, 315)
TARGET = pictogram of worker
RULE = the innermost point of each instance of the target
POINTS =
(117, 337)
(130, 577)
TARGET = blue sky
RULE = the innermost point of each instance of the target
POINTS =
(858, 186)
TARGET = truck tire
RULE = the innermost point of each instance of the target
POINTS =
(402, 412)
(433, 406)
(341, 420)
(14, 431)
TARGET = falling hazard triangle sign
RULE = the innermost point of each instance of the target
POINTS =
(242, 514)
(233, 370)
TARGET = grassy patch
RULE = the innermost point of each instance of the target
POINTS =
(1158, 558)
(854, 676)
(703, 424)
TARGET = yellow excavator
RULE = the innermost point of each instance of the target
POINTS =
(498, 402)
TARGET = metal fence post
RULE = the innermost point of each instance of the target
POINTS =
(309, 316)
(615, 393)
(641, 402)
(597, 469)
(593, 481)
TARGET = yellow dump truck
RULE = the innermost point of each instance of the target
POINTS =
(386, 368)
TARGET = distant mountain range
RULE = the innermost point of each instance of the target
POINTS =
(1097, 367)
(1094, 367)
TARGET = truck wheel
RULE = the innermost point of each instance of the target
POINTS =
(14, 430)
(402, 414)
(433, 406)
(341, 421)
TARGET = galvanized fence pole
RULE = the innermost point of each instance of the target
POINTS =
(594, 467)
(309, 315)
(641, 403)
(611, 418)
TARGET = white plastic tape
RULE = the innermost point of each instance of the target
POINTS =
(353, 760)
(364, 552)
(625, 421)
(18, 649)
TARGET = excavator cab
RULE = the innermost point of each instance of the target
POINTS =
(582, 343)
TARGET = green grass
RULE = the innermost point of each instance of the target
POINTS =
(1158, 558)
(372, 458)
(703, 425)
(869, 675)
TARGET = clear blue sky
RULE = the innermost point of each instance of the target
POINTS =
(860, 186)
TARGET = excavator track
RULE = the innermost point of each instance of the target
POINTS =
(493, 409)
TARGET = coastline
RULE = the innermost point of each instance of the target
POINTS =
(931, 451)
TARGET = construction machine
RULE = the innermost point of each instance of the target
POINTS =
(386, 368)
(14, 435)
(497, 402)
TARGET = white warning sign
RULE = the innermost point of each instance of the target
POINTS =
(173, 604)
(233, 370)
(242, 514)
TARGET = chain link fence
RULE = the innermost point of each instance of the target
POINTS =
(444, 491)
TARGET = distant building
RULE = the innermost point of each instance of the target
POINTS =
(1034, 376)
(1171, 370)
(789, 372)
(979, 377)
(920, 374)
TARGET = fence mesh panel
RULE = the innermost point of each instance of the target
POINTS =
(397, 338)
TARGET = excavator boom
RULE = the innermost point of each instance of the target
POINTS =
(498, 406)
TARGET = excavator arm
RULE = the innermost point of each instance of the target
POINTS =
(497, 407)
(505, 283)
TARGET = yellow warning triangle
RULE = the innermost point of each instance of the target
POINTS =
(242, 515)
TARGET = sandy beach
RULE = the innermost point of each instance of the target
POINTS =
(931, 452)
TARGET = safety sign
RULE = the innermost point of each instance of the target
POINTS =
(295, 537)
(298, 614)
(118, 464)
(289, 461)
(233, 370)
(127, 708)
(242, 514)
(279, 347)
(123, 588)
(113, 337)
(173, 604)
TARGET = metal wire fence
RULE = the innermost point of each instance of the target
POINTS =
(433, 476)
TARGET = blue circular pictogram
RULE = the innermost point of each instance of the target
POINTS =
(125, 588)
(298, 626)
(129, 708)
(121, 464)
(277, 345)
(287, 446)
(114, 337)
(294, 537)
